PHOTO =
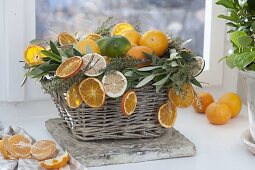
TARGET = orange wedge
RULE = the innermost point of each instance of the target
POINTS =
(33, 55)
(93, 36)
(19, 146)
(3, 150)
(184, 98)
(92, 92)
(69, 67)
(43, 149)
(129, 101)
(66, 39)
(119, 28)
(73, 97)
(167, 115)
(55, 163)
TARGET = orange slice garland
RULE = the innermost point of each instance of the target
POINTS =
(56, 163)
(167, 115)
(43, 149)
(66, 39)
(184, 98)
(69, 67)
(92, 92)
(129, 102)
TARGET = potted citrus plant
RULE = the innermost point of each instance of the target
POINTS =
(241, 20)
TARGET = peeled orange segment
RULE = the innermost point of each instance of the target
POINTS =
(19, 146)
(93, 36)
(55, 163)
(94, 64)
(119, 28)
(33, 55)
(129, 102)
(200, 66)
(5, 142)
(69, 67)
(92, 92)
(115, 84)
(3, 150)
(43, 149)
(167, 115)
(66, 39)
(184, 98)
(73, 97)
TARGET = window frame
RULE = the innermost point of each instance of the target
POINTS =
(23, 12)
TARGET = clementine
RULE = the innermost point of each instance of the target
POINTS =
(218, 113)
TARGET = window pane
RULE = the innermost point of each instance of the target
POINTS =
(181, 18)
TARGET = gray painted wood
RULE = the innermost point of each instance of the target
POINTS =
(108, 152)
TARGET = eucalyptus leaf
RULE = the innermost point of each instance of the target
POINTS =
(34, 72)
(195, 82)
(77, 52)
(158, 88)
(69, 52)
(145, 81)
(162, 81)
(130, 74)
(148, 68)
(54, 48)
(38, 41)
(51, 55)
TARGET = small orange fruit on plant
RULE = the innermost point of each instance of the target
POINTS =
(43, 149)
(138, 52)
(133, 36)
(167, 115)
(129, 101)
(218, 113)
(202, 100)
(155, 40)
(69, 67)
(234, 102)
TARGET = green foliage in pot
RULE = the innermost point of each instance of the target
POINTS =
(241, 19)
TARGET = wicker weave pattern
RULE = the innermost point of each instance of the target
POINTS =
(108, 122)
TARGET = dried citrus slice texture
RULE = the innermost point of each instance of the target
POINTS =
(115, 84)
(33, 55)
(119, 28)
(184, 98)
(55, 163)
(73, 97)
(200, 66)
(94, 64)
(129, 102)
(43, 149)
(167, 115)
(92, 92)
(3, 150)
(66, 39)
(19, 146)
(69, 67)
(93, 36)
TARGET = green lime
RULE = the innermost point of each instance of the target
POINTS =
(117, 46)
(102, 44)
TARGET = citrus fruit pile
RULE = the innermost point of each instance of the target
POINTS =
(228, 106)
(111, 62)
(19, 146)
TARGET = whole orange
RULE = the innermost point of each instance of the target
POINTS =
(137, 52)
(218, 113)
(234, 102)
(201, 102)
(155, 40)
(132, 35)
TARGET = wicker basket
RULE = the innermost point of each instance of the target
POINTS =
(108, 122)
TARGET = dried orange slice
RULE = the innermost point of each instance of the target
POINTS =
(97, 64)
(55, 163)
(69, 67)
(119, 28)
(93, 36)
(92, 92)
(66, 39)
(73, 97)
(19, 146)
(184, 98)
(129, 102)
(167, 115)
(3, 150)
(33, 55)
(115, 84)
(43, 149)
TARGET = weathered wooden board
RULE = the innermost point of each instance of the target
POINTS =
(108, 152)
